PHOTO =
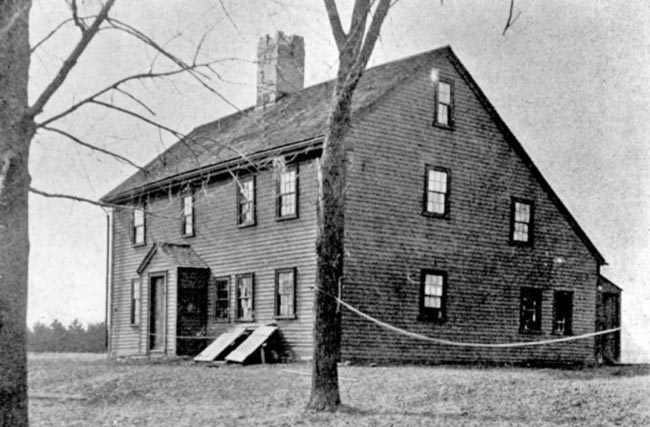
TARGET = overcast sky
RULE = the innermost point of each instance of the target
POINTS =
(570, 79)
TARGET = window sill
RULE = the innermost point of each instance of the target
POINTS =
(251, 320)
(519, 243)
(435, 215)
(288, 317)
(531, 332)
(562, 334)
(286, 218)
(140, 245)
(443, 126)
(188, 236)
(221, 320)
(431, 319)
(247, 224)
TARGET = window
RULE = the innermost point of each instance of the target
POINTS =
(135, 302)
(287, 193)
(562, 312)
(246, 200)
(521, 222)
(531, 310)
(444, 104)
(433, 296)
(222, 300)
(138, 226)
(285, 293)
(187, 220)
(436, 197)
(245, 286)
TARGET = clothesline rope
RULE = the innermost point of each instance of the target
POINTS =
(460, 343)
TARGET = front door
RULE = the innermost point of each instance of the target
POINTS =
(192, 311)
(157, 313)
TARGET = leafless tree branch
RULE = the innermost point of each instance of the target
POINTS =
(128, 29)
(71, 197)
(70, 62)
(93, 147)
(510, 20)
(372, 35)
(115, 86)
(175, 133)
(75, 16)
(136, 100)
(335, 23)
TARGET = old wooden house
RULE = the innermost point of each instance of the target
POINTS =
(451, 230)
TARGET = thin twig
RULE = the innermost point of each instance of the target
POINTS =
(93, 147)
(510, 20)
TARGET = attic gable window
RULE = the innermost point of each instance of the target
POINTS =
(246, 200)
(444, 94)
(530, 310)
(437, 186)
(521, 222)
(287, 193)
(187, 220)
(138, 232)
(433, 295)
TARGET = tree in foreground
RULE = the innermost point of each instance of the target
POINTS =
(354, 49)
(19, 123)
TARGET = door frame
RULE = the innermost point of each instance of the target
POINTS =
(165, 276)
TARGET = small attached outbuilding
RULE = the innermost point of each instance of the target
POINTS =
(608, 316)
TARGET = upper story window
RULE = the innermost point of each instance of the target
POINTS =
(444, 104)
(436, 197)
(285, 293)
(135, 302)
(433, 295)
(287, 193)
(521, 222)
(246, 200)
(562, 312)
(187, 220)
(222, 299)
(245, 289)
(530, 310)
(138, 232)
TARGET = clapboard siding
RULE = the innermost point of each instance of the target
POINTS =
(228, 250)
(389, 241)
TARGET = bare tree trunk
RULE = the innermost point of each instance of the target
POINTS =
(330, 249)
(16, 132)
(355, 49)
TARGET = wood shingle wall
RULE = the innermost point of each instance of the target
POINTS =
(389, 241)
(228, 250)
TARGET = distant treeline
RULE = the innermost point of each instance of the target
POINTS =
(74, 338)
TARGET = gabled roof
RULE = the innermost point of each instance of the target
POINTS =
(295, 119)
(298, 121)
(606, 285)
(175, 254)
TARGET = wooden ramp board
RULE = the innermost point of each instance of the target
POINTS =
(220, 345)
(251, 344)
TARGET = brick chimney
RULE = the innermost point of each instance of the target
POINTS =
(281, 67)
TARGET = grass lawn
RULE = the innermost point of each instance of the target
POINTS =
(88, 390)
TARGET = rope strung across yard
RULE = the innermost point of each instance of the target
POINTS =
(459, 343)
